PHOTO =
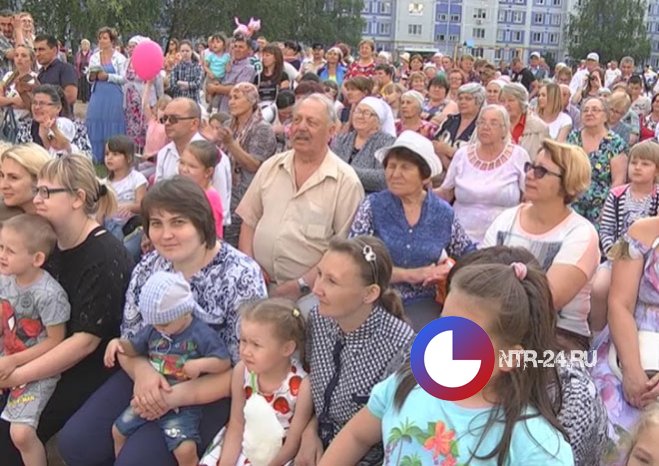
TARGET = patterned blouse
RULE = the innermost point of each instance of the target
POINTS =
(425, 129)
(356, 69)
(590, 204)
(189, 72)
(345, 367)
(369, 170)
(382, 215)
(220, 288)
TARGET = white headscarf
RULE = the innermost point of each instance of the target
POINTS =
(384, 113)
(416, 95)
(137, 40)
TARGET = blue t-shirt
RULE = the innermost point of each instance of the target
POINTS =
(427, 430)
(217, 63)
(168, 354)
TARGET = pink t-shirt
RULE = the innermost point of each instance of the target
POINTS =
(216, 206)
(156, 138)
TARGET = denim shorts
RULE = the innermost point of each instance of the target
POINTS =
(177, 426)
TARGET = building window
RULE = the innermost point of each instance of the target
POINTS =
(538, 18)
(539, 2)
(453, 38)
(520, 2)
(440, 37)
(518, 17)
(480, 13)
(414, 29)
(502, 16)
(500, 35)
(455, 18)
(477, 52)
(556, 19)
(497, 54)
(384, 29)
(367, 7)
(553, 38)
(443, 17)
(479, 33)
(415, 9)
(536, 37)
(366, 28)
(385, 8)
(518, 36)
(556, 2)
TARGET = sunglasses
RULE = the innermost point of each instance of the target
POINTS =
(539, 171)
(173, 119)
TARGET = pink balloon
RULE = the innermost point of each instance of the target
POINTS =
(147, 60)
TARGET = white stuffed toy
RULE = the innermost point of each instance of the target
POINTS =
(263, 436)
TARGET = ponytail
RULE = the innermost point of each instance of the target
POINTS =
(392, 303)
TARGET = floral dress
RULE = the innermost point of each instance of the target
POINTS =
(590, 204)
(283, 402)
(623, 416)
(135, 121)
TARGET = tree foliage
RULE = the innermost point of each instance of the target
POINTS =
(612, 28)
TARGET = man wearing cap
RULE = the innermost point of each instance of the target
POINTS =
(536, 68)
(317, 60)
(297, 201)
(592, 62)
(521, 74)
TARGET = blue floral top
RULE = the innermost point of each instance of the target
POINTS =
(231, 279)
(411, 246)
(590, 204)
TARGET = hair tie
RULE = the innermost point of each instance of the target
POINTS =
(520, 270)
(102, 191)
(296, 312)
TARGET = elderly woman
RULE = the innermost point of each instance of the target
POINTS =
(10, 99)
(493, 91)
(365, 64)
(458, 129)
(185, 79)
(411, 109)
(437, 106)
(94, 269)
(373, 129)
(607, 154)
(81, 65)
(619, 104)
(57, 134)
(105, 113)
(358, 314)
(419, 229)
(550, 110)
(19, 167)
(526, 129)
(248, 140)
(486, 176)
(179, 223)
(334, 69)
(565, 243)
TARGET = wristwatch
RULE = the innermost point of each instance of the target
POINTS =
(303, 285)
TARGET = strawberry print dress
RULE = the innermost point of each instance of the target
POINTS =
(283, 402)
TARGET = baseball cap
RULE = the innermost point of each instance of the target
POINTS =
(535, 55)
(418, 144)
(165, 297)
(317, 46)
(593, 56)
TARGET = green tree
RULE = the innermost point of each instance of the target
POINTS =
(613, 28)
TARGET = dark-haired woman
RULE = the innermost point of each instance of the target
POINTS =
(357, 337)
(185, 80)
(271, 79)
(105, 113)
(418, 227)
(179, 222)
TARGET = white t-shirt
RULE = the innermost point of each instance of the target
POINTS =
(561, 121)
(482, 194)
(611, 75)
(125, 189)
(572, 242)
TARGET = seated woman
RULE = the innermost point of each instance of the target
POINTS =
(19, 168)
(550, 110)
(179, 222)
(359, 315)
(565, 244)
(373, 129)
(438, 106)
(355, 89)
(57, 134)
(619, 104)
(625, 373)
(459, 128)
(419, 229)
(411, 108)
(487, 176)
(526, 129)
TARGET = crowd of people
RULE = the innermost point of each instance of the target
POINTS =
(227, 264)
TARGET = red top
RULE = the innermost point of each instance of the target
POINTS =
(518, 130)
(355, 69)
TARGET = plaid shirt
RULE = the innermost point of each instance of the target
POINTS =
(365, 357)
(189, 72)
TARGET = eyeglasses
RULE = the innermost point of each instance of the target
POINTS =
(364, 113)
(539, 171)
(173, 119)
(38, 104)
(488, 124)
(44, 192)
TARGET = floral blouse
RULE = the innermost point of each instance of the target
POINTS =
(425, 129)
(220, 288)
(590, 204)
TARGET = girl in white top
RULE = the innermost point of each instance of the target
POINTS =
(487, 176)
(550, 110)
(565, 243)
(23, 71)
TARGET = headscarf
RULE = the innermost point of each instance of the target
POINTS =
(384, 113)
(416, 95)
(251, 93)
(137, 40)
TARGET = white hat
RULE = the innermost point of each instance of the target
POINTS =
(165, 297)
(384, 113)
(405, 56)
(535, 55)
(593, 56)
(418, 144)
(438, 55)
(429, 65)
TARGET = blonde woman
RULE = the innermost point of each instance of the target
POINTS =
(19, 167)
(550, 110)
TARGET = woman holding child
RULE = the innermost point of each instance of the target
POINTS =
(179, 223)
(94, 269)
